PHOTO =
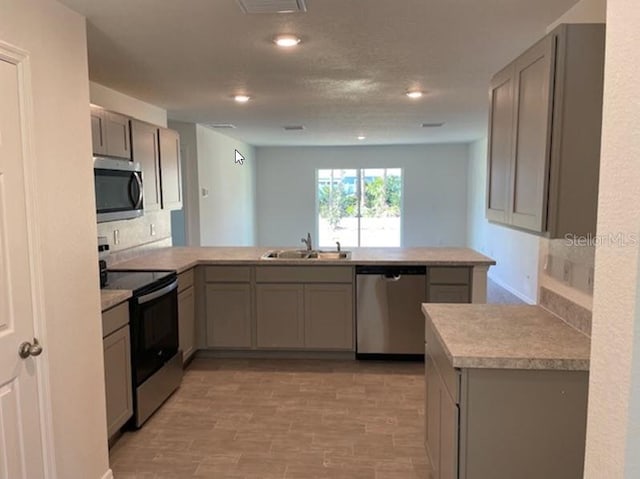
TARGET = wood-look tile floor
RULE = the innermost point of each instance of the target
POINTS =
(284, 419)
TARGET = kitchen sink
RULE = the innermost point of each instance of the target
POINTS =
(305, 254)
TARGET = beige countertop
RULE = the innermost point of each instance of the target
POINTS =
(184, 258)
(113, 297)
(507, 337)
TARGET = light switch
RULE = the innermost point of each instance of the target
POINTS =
(205, 192)
(116, 236)
(152, 229)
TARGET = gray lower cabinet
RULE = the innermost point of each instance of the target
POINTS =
(280, 316)
(328, 316)
(450, 284)
(117, 367)
(304, 308)
(228, 307)
(503, 423)
(186, 314)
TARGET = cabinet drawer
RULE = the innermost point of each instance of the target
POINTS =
(449, 275)
(450, 375)
(449, 293)
(227, 274)
(114, 318)
(185, 280)
(304, 274)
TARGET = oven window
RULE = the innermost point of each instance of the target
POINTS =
(155, 335)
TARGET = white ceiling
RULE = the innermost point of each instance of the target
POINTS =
(347, 78)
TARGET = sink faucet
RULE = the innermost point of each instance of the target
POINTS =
(338, 246)
(308, 242)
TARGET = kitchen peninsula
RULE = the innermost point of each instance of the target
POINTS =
(506, 390)
(233, 300)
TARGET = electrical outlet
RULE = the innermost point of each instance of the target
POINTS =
(566, 271)
(116, 236)
(152, 229)
(590, 279)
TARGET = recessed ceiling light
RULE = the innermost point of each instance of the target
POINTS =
(362, 137)
(415, 94)
(242, 98)
(286, 41)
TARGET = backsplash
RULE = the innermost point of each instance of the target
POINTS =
(572, 313)
(568, 270)
(153, 230)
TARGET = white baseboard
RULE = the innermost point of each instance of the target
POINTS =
(108, 474)
(514, 292)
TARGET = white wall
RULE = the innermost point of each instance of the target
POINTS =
(434, 202)
(56, 41)
(228, 213)
(515, 252)
(613, 430)
(127, 105)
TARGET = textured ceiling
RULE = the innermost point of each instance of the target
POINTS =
(347, 78)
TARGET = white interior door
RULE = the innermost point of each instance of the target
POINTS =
(21, 440)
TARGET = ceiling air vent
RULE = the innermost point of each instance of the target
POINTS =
(294, 128)
(272, 6)
(432, 125)
(221, 126)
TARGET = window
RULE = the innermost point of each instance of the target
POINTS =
(359, 207)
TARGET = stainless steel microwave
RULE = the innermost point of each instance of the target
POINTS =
(119, 194)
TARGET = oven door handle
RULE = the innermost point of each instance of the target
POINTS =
(156, 294)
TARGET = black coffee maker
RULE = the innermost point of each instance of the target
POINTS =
(103, 253)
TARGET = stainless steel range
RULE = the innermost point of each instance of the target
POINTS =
(156, 361)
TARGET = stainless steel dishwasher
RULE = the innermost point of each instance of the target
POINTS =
(389, 319)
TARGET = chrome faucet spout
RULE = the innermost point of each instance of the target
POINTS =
(308, 242)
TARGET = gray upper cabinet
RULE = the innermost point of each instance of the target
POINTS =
(144, 143)
(544, 134)
(500, 144)
(533, 75)
(170, 174)
(110, 133)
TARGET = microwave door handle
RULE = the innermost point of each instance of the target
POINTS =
(137, 201)
(140, 191)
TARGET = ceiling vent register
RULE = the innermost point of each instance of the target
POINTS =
(272, 6)
(294, 128)
(222, 126)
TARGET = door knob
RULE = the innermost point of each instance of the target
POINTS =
(27, 349)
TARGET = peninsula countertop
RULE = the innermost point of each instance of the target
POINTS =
(184, 258)
(507, 337)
